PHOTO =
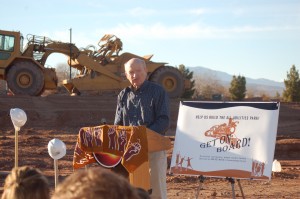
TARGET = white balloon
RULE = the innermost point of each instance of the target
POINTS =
(18, 117)
(56, 149)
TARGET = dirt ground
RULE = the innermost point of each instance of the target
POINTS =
(61, 116)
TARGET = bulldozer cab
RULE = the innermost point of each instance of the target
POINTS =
(23, 74)
(11, 45)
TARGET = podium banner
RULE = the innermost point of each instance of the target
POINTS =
(128, 143)
(225, 139)
(112, 143)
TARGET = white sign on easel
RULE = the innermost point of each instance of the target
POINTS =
(225, 139)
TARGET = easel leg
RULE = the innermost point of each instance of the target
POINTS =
(239, 183)
(201, 180)
(231, 180)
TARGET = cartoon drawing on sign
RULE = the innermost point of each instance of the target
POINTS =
(132, 150)
(82, 156)
(257, 168)
(97, 136)
(86, 137)
(189, 163)
(225, 132)
(181, 162)
(122, 140)
(177, 160)
(112, 138)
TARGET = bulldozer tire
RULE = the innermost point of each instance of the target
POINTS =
(25, 78)
(171, 80)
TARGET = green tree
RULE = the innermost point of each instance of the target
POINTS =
(189, 92)
(237, 88)
(277, 96)
(292, 86)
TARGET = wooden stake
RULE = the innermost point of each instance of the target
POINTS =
(55, 172)
(16, 148)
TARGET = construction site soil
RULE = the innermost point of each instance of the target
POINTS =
(61, 116)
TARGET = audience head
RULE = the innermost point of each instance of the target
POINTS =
(26, 183)
(95, 183)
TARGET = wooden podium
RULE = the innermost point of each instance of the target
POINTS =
(88, 146)
(141, 177)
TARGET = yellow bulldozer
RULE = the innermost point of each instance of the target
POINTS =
(98, 69)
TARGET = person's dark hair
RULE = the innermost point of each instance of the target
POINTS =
(95, 183)
(26, 183)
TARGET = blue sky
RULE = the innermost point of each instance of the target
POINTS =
(253, 38)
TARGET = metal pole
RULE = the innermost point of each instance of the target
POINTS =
(233, 192)
(201, 180)
(239, 183)
(231, 180)
(70, 53)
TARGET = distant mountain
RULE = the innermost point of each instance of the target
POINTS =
(259, 85)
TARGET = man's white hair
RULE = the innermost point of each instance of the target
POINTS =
(135, 61)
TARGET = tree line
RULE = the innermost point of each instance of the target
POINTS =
(209, 88)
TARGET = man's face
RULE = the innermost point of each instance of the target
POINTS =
(136, 74)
